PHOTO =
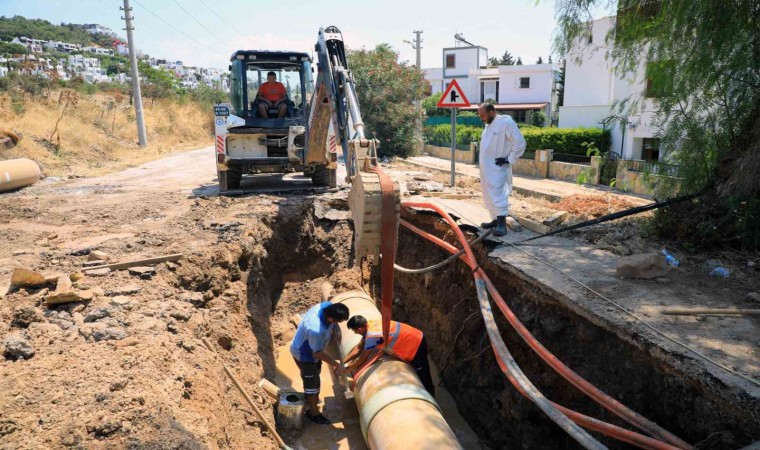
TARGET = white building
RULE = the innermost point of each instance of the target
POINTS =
(64, 47)
(592, 89)
(33, 45)
(516, 90)
(95, 75)
(3, 67)
(123, 50)
(80, 61)
(98, 50)
(94, 28)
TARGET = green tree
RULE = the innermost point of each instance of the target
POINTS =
(430, 108)
(519, 61)
(387, 89)
(538, 119)
(703, 56)
(158, 83)
(540, 60)
(8, 49)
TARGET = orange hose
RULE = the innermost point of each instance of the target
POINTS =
(576, 380)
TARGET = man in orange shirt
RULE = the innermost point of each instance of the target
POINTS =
(406, 343)
(271, 95)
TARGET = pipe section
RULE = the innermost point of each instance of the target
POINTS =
(395, 409)
(17, 173)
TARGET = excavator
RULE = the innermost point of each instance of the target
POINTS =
(321, 116)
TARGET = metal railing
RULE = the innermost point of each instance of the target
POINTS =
(653, 167)
(572, 159)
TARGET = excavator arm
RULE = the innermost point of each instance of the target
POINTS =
(335, 100)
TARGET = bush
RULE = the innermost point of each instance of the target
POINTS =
(429, 105)
(538, 119)
(561, 140)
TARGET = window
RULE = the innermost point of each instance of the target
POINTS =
(650, 149)
(524, 82)
(451, 61)
(519, 116)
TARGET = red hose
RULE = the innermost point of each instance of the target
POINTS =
(576, 380)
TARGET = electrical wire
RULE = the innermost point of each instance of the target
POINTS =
(200, 23)
(242, 35)
(446, 261)
(175, 28)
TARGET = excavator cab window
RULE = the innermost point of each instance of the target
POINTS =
(289, 75)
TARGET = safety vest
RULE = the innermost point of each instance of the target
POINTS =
(404, 340)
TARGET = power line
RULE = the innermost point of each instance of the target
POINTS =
(222, 19)
(200, 23)
(175, 28)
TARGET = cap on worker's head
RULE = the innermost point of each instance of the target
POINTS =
(356, 322)
(271, 74)
(337, 312)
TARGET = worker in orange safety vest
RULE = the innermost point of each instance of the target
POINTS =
(405, 343)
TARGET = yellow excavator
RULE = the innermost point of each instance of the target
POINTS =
(322, 115)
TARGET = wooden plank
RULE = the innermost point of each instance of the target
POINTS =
(139, 262)
(710, 311)
(532, 225)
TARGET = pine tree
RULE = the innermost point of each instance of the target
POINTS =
(550, 59)
(540, 60)
(518, 62)
(506, 59)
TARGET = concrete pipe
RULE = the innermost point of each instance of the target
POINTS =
(17, 173)
(395, 409)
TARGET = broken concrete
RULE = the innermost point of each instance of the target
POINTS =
(18, 346)
(26, 278)
(645, 266)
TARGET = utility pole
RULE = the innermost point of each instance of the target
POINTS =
(135, 75)
(417, 45)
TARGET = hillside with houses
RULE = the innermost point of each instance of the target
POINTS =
(91, 52)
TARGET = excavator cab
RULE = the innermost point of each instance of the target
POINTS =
(248, 72)
(253, 137)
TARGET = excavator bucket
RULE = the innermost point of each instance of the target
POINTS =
(366, 200)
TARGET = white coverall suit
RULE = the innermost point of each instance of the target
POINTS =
(500, 139)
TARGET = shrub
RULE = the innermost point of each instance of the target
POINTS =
(538, 119)
(561, 140)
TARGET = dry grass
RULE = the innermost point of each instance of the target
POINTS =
(99, 134)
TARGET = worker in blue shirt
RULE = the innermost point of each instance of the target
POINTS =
(318, 326)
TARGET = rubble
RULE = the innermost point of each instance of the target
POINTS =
(25, 316)
(129, 289)
(643, 266)
(18, 347)
(97, 255)
(98, 272)
(26, 278)
(415, 187)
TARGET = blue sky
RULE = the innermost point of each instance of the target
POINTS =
(521, 26)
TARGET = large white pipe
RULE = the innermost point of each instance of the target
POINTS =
(395, 409)
(17, 173)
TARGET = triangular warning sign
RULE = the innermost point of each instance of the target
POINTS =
(453, 97)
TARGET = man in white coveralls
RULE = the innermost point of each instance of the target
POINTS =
(501, 144)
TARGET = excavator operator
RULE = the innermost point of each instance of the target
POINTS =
(272, 95)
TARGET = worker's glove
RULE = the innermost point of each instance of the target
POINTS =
(501, 162)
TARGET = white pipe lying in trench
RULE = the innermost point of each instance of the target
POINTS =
(395, 409)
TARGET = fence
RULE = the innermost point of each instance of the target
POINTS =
(653, 167)
(440, 120)
(572, 159)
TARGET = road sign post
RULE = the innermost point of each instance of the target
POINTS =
(453, 145)
(453, 97)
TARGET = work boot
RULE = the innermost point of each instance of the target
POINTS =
(488, 225)
(501, 226)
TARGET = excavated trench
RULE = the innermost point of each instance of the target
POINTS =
(303, 248)
(444, 306)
